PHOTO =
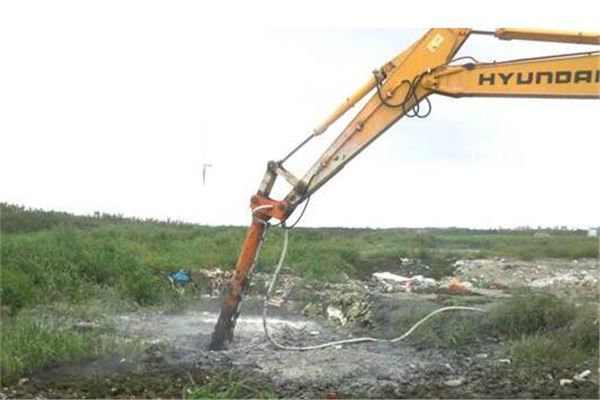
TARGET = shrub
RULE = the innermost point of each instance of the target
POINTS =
(531, 313)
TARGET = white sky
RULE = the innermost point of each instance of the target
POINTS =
(112, 106)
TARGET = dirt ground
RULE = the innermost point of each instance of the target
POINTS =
(176, 355)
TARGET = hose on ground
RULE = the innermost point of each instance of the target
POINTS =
(337, 342)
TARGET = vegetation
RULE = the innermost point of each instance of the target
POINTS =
(230, 387)
(538, 328)
(544, 329)
(45, 336)
(55, 261)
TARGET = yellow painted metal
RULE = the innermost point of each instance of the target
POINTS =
(346, 105)
(548, 35)
(573, 76)
(410, 77)
(436, 47)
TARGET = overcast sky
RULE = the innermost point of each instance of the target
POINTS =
(115, 107)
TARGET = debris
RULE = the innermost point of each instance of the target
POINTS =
(566, 279)
(335, 313)
(180, 276)
(397, 283)
(564, 382)
(314, 333)
(211, 281)
(86, 326)
(559, 276)
(504, 360)
(582, 376)
(421, 282)
(458, 287)
(455, 382)
(23, 381)
(482, 356)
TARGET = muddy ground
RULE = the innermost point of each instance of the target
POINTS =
(175, 356)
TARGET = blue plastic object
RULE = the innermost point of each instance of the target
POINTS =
(180, 276)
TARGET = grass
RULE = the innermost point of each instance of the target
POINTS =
(93, 264)
(537, 329)
(229, 386)
(544, 329)
(527, 313)
(42, 337)
(455, 330)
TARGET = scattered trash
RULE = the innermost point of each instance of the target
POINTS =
(455, 382)
(335, 313)
(179, 279)
(582, 376)
(23, 381)
(458, 287)
(397, 283)
(180, 276)
(564, 382)
(504, 360)
(211, 281)
(559, 276)
(314, 333)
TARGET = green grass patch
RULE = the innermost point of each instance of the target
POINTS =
(228, 386)
(548, 350)
(531, 313)
(456, 330)
(46, 337)
(544, 329)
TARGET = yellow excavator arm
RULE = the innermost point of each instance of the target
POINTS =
(400, 86)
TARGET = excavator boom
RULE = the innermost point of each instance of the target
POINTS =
(400, 86)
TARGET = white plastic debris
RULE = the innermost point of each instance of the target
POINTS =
(398, 283)
(455, 382)
(388, 276)
(564, 382)
(335, 313)
(582, 375)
